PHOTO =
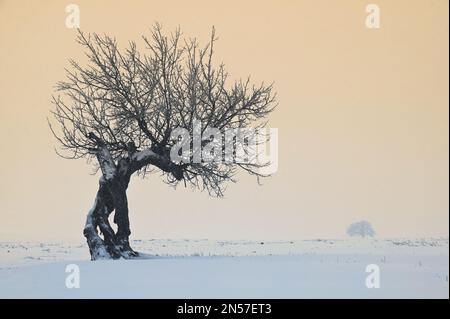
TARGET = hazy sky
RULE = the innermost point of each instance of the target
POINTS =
(362, 118)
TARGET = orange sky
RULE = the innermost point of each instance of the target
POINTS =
(362, 118)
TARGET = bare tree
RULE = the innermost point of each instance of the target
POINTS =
(120, 109)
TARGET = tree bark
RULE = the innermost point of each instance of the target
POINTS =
(111, 196)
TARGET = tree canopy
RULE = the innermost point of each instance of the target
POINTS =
(123, 105)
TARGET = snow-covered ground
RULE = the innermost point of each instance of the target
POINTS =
(408, 268)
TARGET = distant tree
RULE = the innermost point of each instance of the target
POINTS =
(119, 112)
(361, 229)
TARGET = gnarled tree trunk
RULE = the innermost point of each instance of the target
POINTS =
(111, 197)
